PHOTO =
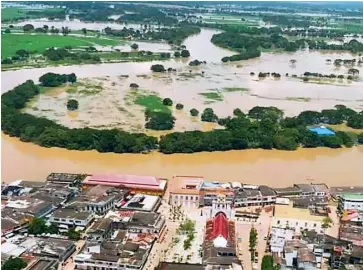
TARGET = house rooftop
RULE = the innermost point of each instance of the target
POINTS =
(71, 214)
(186, 184)
(322, 131)
(352, 196)
(126, 181)
(101, 224)
(142, 202)
(305, 188)
(267, 191)
(144, 219)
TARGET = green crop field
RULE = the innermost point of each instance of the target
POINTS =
(152, 102)
(11, 43)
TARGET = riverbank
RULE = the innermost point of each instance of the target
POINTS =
(269, 167)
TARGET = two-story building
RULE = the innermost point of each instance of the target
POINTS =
(72, 218)
(351, 201)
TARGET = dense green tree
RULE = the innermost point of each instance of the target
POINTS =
(311, 140)
(22, 53)
(267, 263)
(185, 53)
(194, 112)
(52, 79)
(360, 138)
(284, 143)
(179, 106)
(208, 115)
(253, 242)
(177, 54)
(134, 46)
(74, 235)
(167, 102)
(15, 263)
(72, 104)
(37, 226)
(6, 61)
(345, 138)
(237, 112)
(28, 27)
(355, 121)
(160, 121)
(331, 141)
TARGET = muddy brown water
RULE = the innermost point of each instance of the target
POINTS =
(277, 168)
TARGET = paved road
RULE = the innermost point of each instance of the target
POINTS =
(243, 232)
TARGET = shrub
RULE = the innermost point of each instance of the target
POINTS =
(167, 102)
(134, 85)
(72, 104)
(179, 106)
(157, 68)
(194, 112)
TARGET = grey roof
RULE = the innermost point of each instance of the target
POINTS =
(70, 213)
(320, 187)
(308, 201)
(305, 187)
(100, 225)
(267, 191)
(144, 219)
(105, 257)
(247, 193)
(287, 191)
(179, 266)
(129, 246)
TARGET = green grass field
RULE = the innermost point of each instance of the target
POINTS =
(152, 102)
(13, 13)
(38, 43)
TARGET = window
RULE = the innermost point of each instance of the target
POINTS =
(56, 219)
(186, 198)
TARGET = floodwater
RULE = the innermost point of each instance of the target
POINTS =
(277, 168)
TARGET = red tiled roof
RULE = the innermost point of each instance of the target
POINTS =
(123, 180)
(220, 226)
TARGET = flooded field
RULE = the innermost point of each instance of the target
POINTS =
(222, 87)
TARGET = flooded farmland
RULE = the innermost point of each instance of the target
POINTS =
(235, 88)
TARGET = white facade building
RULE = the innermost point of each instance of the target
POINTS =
(351, 201)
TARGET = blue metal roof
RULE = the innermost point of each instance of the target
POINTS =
(322, 131)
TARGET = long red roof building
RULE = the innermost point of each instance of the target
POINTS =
(136, 183)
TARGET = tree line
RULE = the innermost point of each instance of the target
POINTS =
(261, 127)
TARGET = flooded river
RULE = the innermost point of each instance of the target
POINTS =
(277, 168)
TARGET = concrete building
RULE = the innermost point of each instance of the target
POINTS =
(100, 230)
(351, 201)
(306, 189)
(298, 256)
(248, 197)
(352, 234)
(72, 218)
(150, 223)
(185, 191)
(142, 202)
(278, 238)
(287, 192)
(35, 207)
(53, 248)
(335, 192)
(130, 253)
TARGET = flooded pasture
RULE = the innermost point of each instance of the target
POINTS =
(222, 87)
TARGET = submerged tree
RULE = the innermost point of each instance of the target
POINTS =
(72, 104)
